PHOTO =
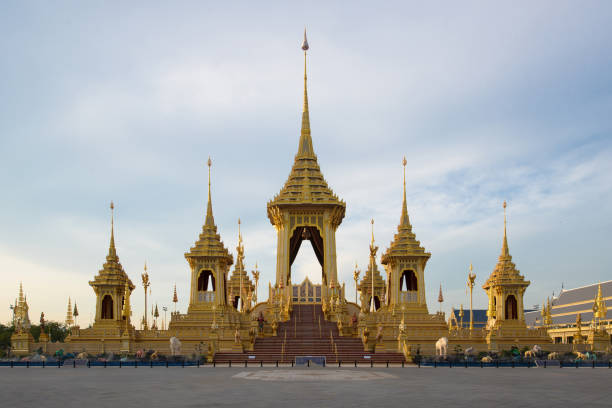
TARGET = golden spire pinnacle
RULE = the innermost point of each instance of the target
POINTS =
(112, 251)
(305, 148)
(239, 233)
(404, 221)
(505, 250)
(69, 320)
(21, 297)
(210, 221)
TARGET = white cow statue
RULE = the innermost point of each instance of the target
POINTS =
(175, 346)
(442, 346)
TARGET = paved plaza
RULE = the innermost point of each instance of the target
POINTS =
(304, 387)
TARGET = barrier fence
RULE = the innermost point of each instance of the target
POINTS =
(260, 363)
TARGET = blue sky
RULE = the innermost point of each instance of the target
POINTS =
(125, 102)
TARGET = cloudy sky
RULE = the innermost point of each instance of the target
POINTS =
(125, 102)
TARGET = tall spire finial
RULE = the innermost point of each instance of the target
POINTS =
(305, 147)
(239, 233)
(111, 250)
(210, 221)
(505, 250)
(372, 222)
(404, 221)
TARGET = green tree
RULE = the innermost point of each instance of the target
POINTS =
(5, 337)
(56, 331)
(35, 332)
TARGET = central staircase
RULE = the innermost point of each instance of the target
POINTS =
(307, 333)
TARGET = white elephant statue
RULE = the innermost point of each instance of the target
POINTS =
(175, 346)
(442, 347)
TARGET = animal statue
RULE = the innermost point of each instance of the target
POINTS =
(442, 346)
(530, 354)
(154, 356)
(590, 355)
(468, 351)
(486, 359)
(553, 356)
(580, 356)
(490, 323)
(536, 349)
(175, 346)
(82, 356)
(140, 353)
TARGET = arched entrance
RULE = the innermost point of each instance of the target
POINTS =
(206, 286)
(107, 307)
(511, 308)
(311, 234)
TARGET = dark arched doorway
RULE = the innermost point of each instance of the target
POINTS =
(107, 307)
(311, 234)
(206, 281)
(408, 281)
(511, 308)
(206, 286)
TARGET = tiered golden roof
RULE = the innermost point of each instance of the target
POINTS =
(209, 243)
(112, 272)
(239, 278)
(365, 286)
(69, 319)
(505, 272)
(306, 184)
(404, 243)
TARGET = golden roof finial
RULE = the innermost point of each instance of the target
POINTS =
(372, 222)
(239, 233)
(505, 250)
(405, 221)
(112, 250)
(210, 220)
(305, 147)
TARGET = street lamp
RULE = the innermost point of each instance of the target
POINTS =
(145, 284)
(470, 283)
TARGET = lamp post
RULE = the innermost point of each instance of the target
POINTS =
(356, 277)
(373, 250)
(145, 284)
(470, 283)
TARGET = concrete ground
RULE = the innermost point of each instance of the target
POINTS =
(304, 387)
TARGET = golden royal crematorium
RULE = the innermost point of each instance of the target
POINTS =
(225, 321)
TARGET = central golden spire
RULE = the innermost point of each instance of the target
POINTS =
(210, 220)
(404, 221)
(505, 250)
(305, 148)
(112, 251)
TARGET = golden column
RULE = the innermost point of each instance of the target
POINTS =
(255, 274)
(373, 250)
(461, 316)
(356, 273)
(145, 284)
(470, 283)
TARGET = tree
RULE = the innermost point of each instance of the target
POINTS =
(56, 331)
(5, 337)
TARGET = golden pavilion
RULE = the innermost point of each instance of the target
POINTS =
(224, 319)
